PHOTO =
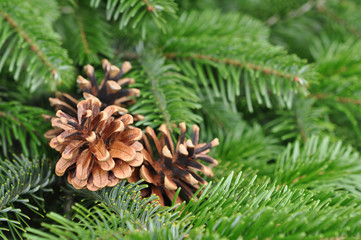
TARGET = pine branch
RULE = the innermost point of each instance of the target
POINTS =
(165, 94)
(320, 164)
(102, 223)
(232, 209)
(236, 60)
(305, 119)
(344, 13)
(121, 214)
(271, 9)
(125, 200)
(247, 147)
(27, 38)
(85, 42)
(137, 13)
(21, 180)
(22, 128)
(339, 86)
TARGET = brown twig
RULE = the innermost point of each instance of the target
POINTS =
(150, 7)
(292, 14)
(322, 9)
(83, 37)
(237, 63)
(339, 99)
(26, 37)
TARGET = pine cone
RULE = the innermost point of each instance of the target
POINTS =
(97, 150)
(66, 104)
(109, 93)
(172, 167)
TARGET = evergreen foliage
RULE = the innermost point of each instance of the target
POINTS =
(22, 129)
(276, 81)
(164, 101)
(134, 12)
(21, 179)
(30, 48)
(232, 67)
(85, 43)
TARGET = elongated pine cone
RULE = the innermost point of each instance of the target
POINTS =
(170, 167)
(110, 92)
(97, 149)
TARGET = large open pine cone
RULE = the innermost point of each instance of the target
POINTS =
(170, 167)
(97, 150)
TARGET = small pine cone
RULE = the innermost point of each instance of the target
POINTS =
(110, 91)
(97, 149)
(174, 166)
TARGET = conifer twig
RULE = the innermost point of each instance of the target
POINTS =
(236, 63)
(26, 37)
(322, 9)
(339, 99)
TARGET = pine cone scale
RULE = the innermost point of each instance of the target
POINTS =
(70, 149)
(99, 151)
(122, 170)
(138, 160)
(122, 151)
(107, 165)
(83, 165)
(100, 177)
(114, 127)
(62, 165)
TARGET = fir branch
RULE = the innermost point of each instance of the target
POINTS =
(320, 164)
(138, 13)
(85, 43)
(121, 214)
(236, 60)
(306, 118)
(247, 147)
(344, 13)
(271, 10)
(238, 209)
(27, 39)
(21, 125)
(21, 179)
(261, 211)
(126, 201)
(166, 95)
(236, 63)
(26, 27)
(101, 223)
(337, 64)
(294, 13)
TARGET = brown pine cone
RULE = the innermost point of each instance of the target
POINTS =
(97, 150)
(66, 104)
(171, 167)
(109, 92)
